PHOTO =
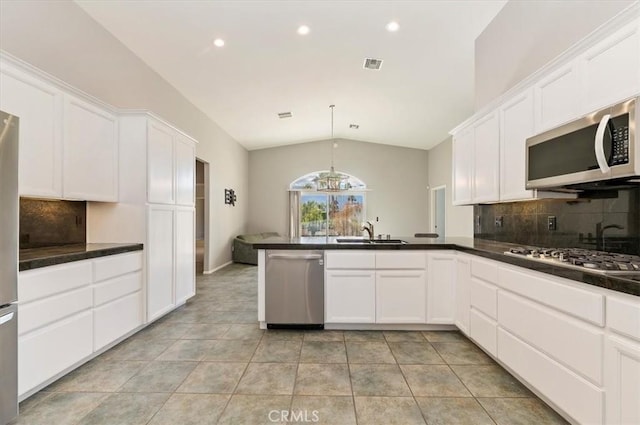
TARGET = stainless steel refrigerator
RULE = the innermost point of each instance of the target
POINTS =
(8, 267)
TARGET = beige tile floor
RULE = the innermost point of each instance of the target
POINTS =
(208, 363)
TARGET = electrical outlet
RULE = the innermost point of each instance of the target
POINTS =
(551, 222)
(499, 221)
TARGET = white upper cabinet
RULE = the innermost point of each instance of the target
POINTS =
(462, 166)
(185, 154)
(39, 108)
(171, 166)
(160, 163)
(558, 98)
(611, 69)
(90, 154)
(516, 124)
(486, 169)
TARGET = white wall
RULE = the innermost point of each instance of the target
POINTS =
(62, 40)
(527, 34)
(396, 176)
(459, 219)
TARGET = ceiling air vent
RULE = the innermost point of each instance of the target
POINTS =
(354, 126)
(284, 115)
(370, 63)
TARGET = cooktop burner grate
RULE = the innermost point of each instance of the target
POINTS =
(583, 259)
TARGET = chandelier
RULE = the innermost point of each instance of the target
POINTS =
(331, 181)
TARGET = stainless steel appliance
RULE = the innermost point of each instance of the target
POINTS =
(294, 289)
(598, 150)
(581, 259)
(8, 267)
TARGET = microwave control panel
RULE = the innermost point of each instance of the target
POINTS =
(620, 145)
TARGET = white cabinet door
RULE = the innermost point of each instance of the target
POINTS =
(611, 69)
(401, 296)
(486, 159)
(185, 177)
(558, 98)
(160, 260)
(462, 166)
(90, 156)
(39, 108)
(185, 284)
(160, 184)
(350, 296)
(516, 124)
(622, 378)
(463, 282)
(441, 288)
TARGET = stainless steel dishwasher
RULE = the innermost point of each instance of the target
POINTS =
(294, 289)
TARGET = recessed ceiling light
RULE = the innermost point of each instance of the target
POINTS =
(303, 30)
(393, 26)
(218, 42)
(354, 126)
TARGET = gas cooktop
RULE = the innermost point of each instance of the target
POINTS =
(582, 259)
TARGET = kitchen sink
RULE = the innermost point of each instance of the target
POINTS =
(371, 241)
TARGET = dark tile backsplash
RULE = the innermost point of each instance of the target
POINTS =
(50, 223)
(610, 224)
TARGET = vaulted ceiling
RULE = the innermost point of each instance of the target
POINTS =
(423, 89)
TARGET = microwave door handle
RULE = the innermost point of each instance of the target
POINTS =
(599, 145)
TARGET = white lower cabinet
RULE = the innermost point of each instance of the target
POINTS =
(70, 311)
(579, 398)
(441, 288)
(622, 360)
(401, 296)
(463, 283)
(482, 329)
(350, 296)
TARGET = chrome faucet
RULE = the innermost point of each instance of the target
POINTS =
(369, 229)
(600, 240)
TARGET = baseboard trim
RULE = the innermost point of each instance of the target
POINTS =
(217, 268)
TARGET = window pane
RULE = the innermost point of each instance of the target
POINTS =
(346, 215)
(313, 215)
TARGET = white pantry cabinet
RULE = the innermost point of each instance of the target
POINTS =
(68, 143)
(39, 107)
(160, 260)
(90, 154)
(171, 172)
(185, 279)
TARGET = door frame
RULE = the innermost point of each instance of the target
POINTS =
(432, 207)
(207, 211)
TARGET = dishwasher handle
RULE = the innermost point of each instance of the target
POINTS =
(297, 256)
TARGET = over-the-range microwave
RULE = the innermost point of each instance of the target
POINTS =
(598, 150)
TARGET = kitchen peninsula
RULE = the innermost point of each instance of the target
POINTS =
(514, 308)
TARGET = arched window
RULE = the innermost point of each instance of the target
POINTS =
(318, 213)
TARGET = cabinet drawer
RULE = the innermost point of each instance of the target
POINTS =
(580, 399)
(41, 283)
(577, 345)
(484, 297)
(115, 319)
(45, 353)
(485, 270)
(116, 288)
(623, 316)
(483, 330)
(577, 302)
(41, 313)
(350, 260)
(116, 265)
(401, 260)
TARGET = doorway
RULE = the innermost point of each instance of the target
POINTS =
(202, 216)
(438, 210)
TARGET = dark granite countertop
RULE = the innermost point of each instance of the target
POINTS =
(629, 284)
(34, 258)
